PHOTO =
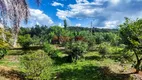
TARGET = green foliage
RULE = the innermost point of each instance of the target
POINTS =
(35, 40)
(57, 30)
(50, 36)
(104, 49)
(113, 38)
(77, 49)
(48, 48)
(3, 52)
(131, 35)
(91, 42)
(37, 65)
(51, 51)
(99, 38)
(4, 42)
(110, 37)
(25, 41)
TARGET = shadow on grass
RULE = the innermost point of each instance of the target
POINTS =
(16, 52)
(93, 58)
(121, 58)
(90, 73)
(22, 51)
(12, 75)
(61, 60)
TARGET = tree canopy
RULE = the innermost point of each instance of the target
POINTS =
(131, 34)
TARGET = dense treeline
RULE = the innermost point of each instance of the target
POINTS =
(37, 28)
(50, 33)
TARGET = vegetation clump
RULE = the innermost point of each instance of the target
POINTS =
(104, 49)
(76, 50)
(37, 65)
(25, 41)
(130, 32)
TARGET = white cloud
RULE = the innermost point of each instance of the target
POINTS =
(110, 24)
(60, 24)
(38, 17)
(57, 4)
(78, 25)
(108, 13)
(62, 14)
(81, 10)
(82, 1)
(115, 2)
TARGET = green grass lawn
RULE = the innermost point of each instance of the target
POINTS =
(93, 67)
(10, 61)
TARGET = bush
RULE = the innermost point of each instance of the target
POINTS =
(76, 50)
(3, 52)
(51, 51)
(104, 49)
(4, 46)
(48, 48)
(91, 42)
(25, 41)
(99, 38)
(37, 65)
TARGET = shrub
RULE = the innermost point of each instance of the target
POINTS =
(104, 49)
(3, 52)
(76, 50)
(37, 65)
(99, 38)
(25, 41)
(51, 51)
(48, 48)
(91, 42)
(4, 46)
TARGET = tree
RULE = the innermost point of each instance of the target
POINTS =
(14, 11)
(25, 41)
(58, 31)
(65, 24)
(131, 34)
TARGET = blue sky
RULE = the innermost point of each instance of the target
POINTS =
(102, 13)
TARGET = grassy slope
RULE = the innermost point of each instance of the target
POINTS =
(92, 67)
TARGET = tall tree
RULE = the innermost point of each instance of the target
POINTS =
(12, 12)
(131, 34)
(65, 24)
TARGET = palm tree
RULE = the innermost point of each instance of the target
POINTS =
(12, 12)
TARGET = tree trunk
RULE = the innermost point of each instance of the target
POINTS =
(15, 36)
(137, 66)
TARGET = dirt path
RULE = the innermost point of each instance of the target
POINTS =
(129, 71)
(10, 74)
(9, 71)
